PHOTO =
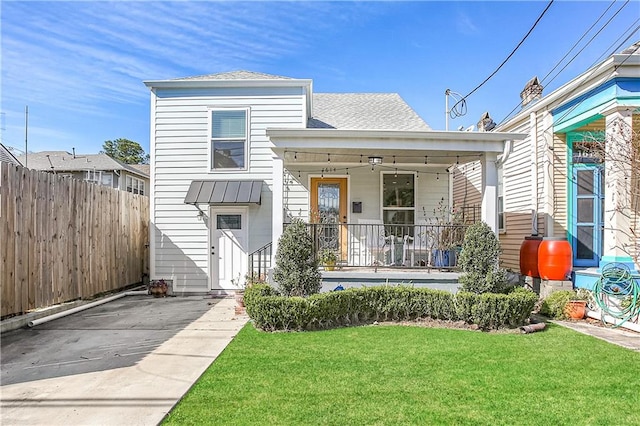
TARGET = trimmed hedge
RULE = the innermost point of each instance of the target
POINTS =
(271, 312)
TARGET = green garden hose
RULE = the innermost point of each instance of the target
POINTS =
(617, 293)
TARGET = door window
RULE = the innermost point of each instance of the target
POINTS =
(588, 215)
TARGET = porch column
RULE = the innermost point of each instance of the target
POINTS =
(617, 192)
(489, 212)
(277, 215)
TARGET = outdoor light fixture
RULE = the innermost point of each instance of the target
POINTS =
(374, 161)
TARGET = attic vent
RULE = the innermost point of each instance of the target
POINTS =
(532, 91)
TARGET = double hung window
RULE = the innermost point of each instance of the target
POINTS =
(229, 139)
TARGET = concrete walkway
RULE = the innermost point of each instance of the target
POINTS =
(140, 394)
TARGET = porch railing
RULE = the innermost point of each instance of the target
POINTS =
(260, 262)
(383, 245)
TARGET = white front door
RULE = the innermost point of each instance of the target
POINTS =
(228, 247)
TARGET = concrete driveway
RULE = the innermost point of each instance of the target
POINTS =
(125, 362)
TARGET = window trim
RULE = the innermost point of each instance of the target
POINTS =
(93, 172)
(210, 138)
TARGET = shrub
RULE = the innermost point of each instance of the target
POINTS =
(271, 312)
(296, 270)
(479, 261)
(554, 304)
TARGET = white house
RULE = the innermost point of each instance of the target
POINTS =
(235, 156)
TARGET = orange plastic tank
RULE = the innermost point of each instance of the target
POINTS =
(529, 256)
(555, 259)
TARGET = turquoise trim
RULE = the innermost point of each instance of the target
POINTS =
(585, 108)
(585, 280)
(617, 259)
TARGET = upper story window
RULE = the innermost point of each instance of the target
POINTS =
(229, 140)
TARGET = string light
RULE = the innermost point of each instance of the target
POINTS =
(457, 159)
(396, 173)
(394, 159)
(329, 158)
(426, 158)
(347, 171)
(299, 174)
(437, 176)
(360, 158)
(295, 156)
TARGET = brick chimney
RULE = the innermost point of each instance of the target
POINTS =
(532, 92)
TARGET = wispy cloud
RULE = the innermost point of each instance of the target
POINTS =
(464, 24)
(80, 65)
(85, 53)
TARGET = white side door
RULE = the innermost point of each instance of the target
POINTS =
(228, 247)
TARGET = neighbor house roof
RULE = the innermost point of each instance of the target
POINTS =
(236, 75)
(7, 156)
(363, 111)
(64, 161)
(144, 168)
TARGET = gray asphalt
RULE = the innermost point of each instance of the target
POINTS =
(127, 362)
(114, 335)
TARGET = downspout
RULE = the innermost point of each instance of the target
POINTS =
(533, 125)
(84, 307)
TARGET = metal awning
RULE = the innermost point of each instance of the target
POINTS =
(224, 192)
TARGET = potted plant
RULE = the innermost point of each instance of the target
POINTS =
(447, 235)
(158, 288)
(239, 292)
(576, 307)
(328, 258)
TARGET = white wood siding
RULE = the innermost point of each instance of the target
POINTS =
(364, 186)
(180, 144)
(518, 203)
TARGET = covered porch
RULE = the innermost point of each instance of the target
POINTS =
(382, 199)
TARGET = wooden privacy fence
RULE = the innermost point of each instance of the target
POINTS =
(63, 239)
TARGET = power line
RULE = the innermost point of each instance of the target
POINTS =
(573, 47)
(507, 58)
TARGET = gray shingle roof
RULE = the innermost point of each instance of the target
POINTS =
(65, 161)
(236, 75)
(364, 111)
(7, 156)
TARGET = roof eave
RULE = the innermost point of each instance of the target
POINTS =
(182, 84)
(393, 134)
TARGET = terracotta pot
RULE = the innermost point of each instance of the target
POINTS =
(240, 298)
(158, 291)
(576, 309)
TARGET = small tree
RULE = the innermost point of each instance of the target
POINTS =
(479, 261)
(296, 270)
(129, 152)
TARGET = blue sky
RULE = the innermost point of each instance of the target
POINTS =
(79, 66)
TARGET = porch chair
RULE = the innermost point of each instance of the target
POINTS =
(375, 242)
(419, 246)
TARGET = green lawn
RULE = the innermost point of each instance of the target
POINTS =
(382, 375)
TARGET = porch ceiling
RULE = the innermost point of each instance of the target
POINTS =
(402, 156)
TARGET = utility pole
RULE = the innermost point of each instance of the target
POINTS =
(26, 136)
